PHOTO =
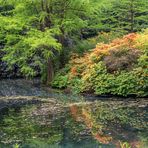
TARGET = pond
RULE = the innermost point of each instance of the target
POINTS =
(101, 123)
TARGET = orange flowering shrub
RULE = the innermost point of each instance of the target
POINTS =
(80, 65)
(112, 68)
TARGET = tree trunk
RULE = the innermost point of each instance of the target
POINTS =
(132, 16)
(50, 71)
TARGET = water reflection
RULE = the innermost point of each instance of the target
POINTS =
(89, 125)
(114, 122)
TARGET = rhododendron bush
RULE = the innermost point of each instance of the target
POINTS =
(117, 68)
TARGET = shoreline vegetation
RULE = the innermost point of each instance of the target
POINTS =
(117, 68)
(96, 47)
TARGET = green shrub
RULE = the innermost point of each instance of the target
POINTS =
(125, 84)
(143, 61)
(122, 83)
(75, 84)
(107, 37)
(60, 81)
(99, 79)
(83, 46)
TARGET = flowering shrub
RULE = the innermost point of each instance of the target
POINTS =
(117, 68)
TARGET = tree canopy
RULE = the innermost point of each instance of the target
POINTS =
(35, 33)
(32, 31)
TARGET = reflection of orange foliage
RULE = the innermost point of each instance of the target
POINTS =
(101, 138)
(85, 115)
(87, 118)
(74, 111)
(132, 144)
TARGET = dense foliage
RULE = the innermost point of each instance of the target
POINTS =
(117, 68)
(33, 31)
(39, 37)
(125, 16)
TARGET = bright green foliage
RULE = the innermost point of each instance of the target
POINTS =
(31, 51)
(16, 146)
(124, 145)
(25, 44)
(33, 31)
(100, 80)
(60, 81)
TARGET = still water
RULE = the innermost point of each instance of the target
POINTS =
(99, 124)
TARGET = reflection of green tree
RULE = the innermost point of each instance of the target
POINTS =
(120, 119)
(20, 126)
(15, 125)
(120, 114)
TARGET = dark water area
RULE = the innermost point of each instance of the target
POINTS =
(97, 124)
(22, 87)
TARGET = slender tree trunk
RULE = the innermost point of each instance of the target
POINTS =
(45, 6)
(62, 41)
(50, 71)
(132, 16)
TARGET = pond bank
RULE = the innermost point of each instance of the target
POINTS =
(18, 101)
